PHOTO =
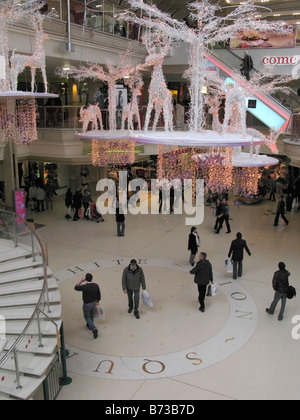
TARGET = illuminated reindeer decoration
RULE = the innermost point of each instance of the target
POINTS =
(131, 109)
(90, 114)
(160, 97)
(37, 60)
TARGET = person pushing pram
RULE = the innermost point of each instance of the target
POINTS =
(93, 213)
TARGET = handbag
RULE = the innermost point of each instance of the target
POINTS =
(99, 312)
(146, 298)
(291, 292)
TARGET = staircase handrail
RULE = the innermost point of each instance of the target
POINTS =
(44, 290)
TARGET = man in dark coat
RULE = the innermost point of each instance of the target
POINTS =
(120, 220)
(193, 244)
(280, 285)
(132, 279)
(246, 65)
(203, 276)
(280, 212)
(236, 252)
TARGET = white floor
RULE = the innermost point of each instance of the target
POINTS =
(235, 350)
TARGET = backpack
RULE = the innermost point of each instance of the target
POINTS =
(291, 292)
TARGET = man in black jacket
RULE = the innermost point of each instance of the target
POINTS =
(203, 276)
(236, 252)
(280, 284)
(246, 65)
(280, 212)
(91, 295)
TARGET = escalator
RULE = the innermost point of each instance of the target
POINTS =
(273, 112)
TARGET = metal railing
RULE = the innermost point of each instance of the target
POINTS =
(67, 117)
(16, 231)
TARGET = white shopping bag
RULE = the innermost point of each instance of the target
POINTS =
(99, 312)
(228, 265)
(213, 289)
(146, 298)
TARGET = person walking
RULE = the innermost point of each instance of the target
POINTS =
(120, 220)
(218, 214)
(86, 201)
(280, 285)
(280, 212)
(132, 279)
(236, 253)
(40, 197)
(91, 295)
(272, 188)
(76, 204)
(203, 276)
(68, 203)
(224, 216)
(32, 196)
(246, 65)
(193, 244)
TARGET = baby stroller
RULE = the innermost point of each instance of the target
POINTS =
(94, 214)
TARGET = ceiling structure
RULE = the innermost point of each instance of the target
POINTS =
(287, 10)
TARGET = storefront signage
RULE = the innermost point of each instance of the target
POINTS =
(280, 60)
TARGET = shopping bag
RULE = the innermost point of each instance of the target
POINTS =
(228, 265)
(146, 298)
(213, 289)
(99, 312)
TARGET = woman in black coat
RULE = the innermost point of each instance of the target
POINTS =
(77, 204)
(68, 203)
(193, 244)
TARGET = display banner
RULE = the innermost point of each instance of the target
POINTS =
(252, 38)
(298, 36)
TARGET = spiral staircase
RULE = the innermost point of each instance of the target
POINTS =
(32, 356)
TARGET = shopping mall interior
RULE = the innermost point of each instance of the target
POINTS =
(235, 350)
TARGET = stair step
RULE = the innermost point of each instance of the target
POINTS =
(26, 312)
(29, 364)
(28, 299)
(20, 264)
(28, 385)
(26, 274)
(3, 344)
(7, 397)
(30, 344)
(6, 244)
(47, 327)
(13, 254)
(21, 283)
(25, 287)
